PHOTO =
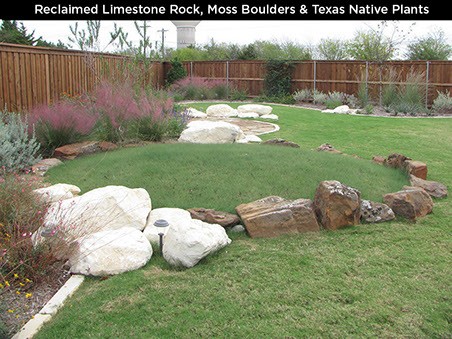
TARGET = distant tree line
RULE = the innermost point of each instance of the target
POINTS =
(381, 43)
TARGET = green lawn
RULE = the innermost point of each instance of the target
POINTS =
(381, 280)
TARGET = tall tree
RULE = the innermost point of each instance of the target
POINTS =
(432, 47)
(332, 49)
(13, 33)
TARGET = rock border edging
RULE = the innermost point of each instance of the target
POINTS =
(33, 326)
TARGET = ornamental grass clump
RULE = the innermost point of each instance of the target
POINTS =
(62, 123)
(126, 114)
(196, 88)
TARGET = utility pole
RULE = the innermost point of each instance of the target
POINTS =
(163, 41)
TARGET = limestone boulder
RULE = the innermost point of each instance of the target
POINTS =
(269, 117)
(171, 215)
(56, 192)
(106, 208)
(194, 113)
(255, 108)
(250, 115)
(373, 212)
(396, 160)
(45, 164)
(411, 202)
(188, 240)
(378, 159)
(281, 142)
(249, 139)
(433, 188)
(211, 216)
(221, 110)
(110, 252)
(211, 132)
(274, 216)
(72, 151)
(416, 168)
(328, 148)
(337, 205)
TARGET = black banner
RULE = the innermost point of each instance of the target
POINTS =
(230, 10)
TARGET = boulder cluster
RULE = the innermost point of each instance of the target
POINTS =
(203, 131)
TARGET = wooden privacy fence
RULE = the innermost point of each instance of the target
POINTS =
(30, 76)
(329, 76)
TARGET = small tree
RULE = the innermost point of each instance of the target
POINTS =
(333, 49)
(432, 47)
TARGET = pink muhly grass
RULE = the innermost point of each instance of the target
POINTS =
(117, 102)
(198, 82)
(64, 115)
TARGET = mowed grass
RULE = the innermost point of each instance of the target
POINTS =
(380, 280)
(224, 176)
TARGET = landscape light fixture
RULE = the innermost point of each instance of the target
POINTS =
(161, 223)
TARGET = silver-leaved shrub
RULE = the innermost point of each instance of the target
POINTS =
(18, 148)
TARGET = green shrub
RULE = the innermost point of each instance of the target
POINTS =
(285, 100)
(18, 149)
(278, 78)
(334, 100)
(176, 72)
(237, 94)
(442, 103)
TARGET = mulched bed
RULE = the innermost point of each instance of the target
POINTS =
(17, 309)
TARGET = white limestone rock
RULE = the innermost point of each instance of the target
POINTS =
(250, 115)
(221, 110)
(171, 215)
(194, 113)
(250, 138)
(185, 241)
(269, 117)
(211, 132)
(255, 108)
(110, 252)
(185, 244)
(56, 192)
(106, 208)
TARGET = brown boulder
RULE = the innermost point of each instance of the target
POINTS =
(379, 159)
(274, 216)
(416, 168)
(337, 205)
(328, 148)
(281, 142)
(210, 216)
(396, 161)
(411, 202)
(435, 189)
(72, 151)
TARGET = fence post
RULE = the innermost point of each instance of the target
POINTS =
(191, 70)
(315, 76)
(227, 75)
(367, 79)
(427, 78)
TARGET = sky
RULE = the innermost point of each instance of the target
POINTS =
(244, 32)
